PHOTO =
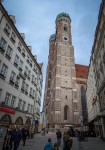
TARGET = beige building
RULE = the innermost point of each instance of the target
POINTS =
(20, 76)
(98, 59)
(64, 99)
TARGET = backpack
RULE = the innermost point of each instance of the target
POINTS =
(69, 143)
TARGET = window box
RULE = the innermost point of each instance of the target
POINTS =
(7, 32)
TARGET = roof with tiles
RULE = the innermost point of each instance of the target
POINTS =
(81, 71)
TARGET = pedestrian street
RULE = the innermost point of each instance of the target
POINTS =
(39, 141)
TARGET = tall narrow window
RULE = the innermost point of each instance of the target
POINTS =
(7, 98)
(9, 52)
(65, 28)
(4, 70)
(65, 112)
(7, 29)
(3, 44)
(19, 103)
(16, 61)
(13, 101)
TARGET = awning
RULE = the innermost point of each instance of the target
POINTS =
(7, 110)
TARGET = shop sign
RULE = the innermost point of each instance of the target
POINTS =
(28, 116)
(7, 110)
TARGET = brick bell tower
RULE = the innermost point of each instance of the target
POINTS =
(62, 82)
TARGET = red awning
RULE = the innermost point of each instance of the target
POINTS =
(7, 110)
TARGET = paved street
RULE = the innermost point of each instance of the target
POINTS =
(39, 141)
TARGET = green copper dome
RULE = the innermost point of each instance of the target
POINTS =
(63, 15)
(52, 36)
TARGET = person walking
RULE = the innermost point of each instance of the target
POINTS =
(7, 140)
(59, 136)
(48, 145)
(24, 132)
(67, 141)
(16, 136)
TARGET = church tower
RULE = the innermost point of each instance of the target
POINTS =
(60, 90)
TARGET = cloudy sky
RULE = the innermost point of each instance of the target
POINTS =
(36, 18)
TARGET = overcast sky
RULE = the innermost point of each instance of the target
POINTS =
(36, 18)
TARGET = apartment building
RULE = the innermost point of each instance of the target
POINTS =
(97, 64)
(20, 76)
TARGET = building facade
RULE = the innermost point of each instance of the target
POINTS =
(62, 98)
(20, 76)
(98, 62)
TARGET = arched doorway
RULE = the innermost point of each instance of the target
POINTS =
(19, 121)
(28, 122)
(6, 120)
(66, 112)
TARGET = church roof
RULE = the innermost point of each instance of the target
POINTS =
(52, 36)
(63, 15)
(81, 71)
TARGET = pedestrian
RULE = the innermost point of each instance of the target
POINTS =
(59, 136)
(7, 140)
(67, 141)
(16, 135)
(24, 132)
(56, 146)
(48, 145)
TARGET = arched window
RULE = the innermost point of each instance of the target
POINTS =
(65, 112)
(65, 28)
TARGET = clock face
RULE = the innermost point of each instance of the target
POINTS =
(65, 38)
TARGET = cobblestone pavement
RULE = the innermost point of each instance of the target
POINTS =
(38, 143)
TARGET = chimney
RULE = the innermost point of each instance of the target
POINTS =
(12, 18)
(22, 35)
(30, 48)
(35, 56)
